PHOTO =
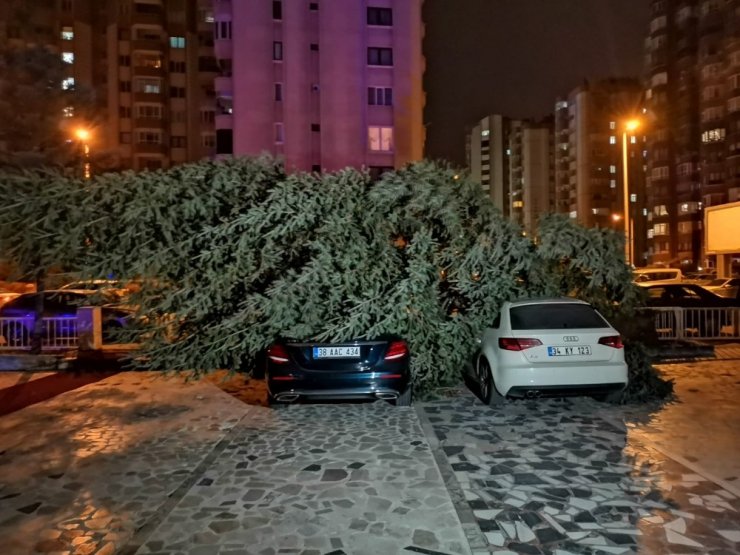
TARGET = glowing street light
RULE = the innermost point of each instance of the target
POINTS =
(84, 135)
(630, 126)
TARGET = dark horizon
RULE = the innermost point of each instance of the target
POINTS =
(517, 58)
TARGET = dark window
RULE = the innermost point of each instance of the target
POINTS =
(124, 111)
(379, 56)
(277, 50)
(147, 8)
(315, 127)
(313, 6)
(177, 67)
(380, 96)
(314, 47)
(380, 16)
(316, 168)
(278, 92)
(124, 86)
(555, 317)
(178, 142)
(124, 61)
(376, 172)
(67, 5)
(277, 9)
(177, 92)
(224, 141)
(125, 138)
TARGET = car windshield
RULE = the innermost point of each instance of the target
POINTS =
(717, 282)
(555, 317)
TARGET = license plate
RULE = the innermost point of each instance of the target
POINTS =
(336, 352)
(575, 350)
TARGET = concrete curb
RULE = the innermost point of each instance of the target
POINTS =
(32, 363)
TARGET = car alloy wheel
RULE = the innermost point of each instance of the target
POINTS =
(488, 392)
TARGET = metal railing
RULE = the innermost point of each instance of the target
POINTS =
(57, 333)
(697, 323)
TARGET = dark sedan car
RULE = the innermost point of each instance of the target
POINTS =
(685, 295)
(62, 304)
(363, 369)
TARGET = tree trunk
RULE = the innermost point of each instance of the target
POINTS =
(38, 316)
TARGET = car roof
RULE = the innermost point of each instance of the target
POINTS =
(548, 300)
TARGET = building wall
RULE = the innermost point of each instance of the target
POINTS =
(322, 120)
(692, 60)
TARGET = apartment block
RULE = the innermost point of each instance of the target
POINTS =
(513, 162)
(593, 148)
(149, 65)
(322, 85)
(692, 60)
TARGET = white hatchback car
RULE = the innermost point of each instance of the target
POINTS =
(549, 347)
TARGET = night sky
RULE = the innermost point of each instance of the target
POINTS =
(517, 56)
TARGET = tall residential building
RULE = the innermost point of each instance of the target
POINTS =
(149, 65)
(323, 85)
(693, 97)
(513, 162)
(589, 161)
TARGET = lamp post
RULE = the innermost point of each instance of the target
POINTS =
(83, 135)
(629, 126)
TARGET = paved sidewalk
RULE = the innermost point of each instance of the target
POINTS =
(137, 463)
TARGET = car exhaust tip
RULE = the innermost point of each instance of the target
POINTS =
(387, 396)
(533, 394)
(287, 397)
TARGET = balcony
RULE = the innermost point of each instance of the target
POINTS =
(148, 71)
(153, 18)
(223, 85)
(150, 97)
(149, 45)
(149, 123)
(149, 148)
(224, 121)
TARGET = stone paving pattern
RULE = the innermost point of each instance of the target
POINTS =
(140, 463)
(311, 479)
(568, 476)
(81, 472)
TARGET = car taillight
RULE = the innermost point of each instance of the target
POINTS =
(517, 344)
(396, 350)
(278, 354)
(612, 341)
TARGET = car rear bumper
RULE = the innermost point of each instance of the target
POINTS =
(568, 378)
(291, 385)
(565, 390)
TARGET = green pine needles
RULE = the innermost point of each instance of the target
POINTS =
(229, 255)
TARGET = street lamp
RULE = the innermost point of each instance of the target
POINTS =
(629, 126)
(84, 135)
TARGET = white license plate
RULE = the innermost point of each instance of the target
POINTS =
(575, 350)
(336, 352)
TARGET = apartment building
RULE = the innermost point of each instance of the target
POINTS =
(148, 64)
(592, 144)
(322, 85)
(693, 97)
(513, 162)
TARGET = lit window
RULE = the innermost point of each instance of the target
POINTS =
(67, 33)
(650, 234)
(485, 133)
(508, 152)
(633, 139)
(644, 211)
(68, 111)
(517, 204)
(633, 197)
(573, 215)
(177, 42)
(613, 183)
(713, 135)
(68, 57)
(612, 169)
(380, 139)
(68, 84)
(148, 85)
(612, 140)
(612, 125)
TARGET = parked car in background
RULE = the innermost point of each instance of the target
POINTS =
(728, 288)
(685, 295)
(698, 312)
(7, 296)
(548, 347)
(658, 275)
(61, 303)
(112, 288)
(699, 278)
(362, 369)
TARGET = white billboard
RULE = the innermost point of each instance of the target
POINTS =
(722, 228)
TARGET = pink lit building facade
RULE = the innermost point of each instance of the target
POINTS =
(321, 84)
